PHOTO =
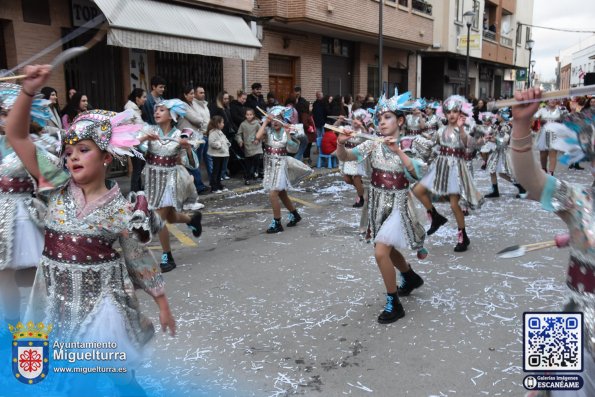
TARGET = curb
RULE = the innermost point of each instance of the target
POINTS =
(205, 198)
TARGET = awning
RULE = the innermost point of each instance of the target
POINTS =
(152, 25)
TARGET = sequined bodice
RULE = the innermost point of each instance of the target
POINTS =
(433, 121)
(11, 166)
(413, 122)
(548, 115)
(161, 147)
(276, 139)
(450, 137)
(381, 157)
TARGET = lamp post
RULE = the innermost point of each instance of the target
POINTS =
(532, 72)
(468, 17)
(380, 45)
(530, 48)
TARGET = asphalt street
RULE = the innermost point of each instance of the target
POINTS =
(295, 312)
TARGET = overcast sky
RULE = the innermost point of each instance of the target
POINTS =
(568, 14)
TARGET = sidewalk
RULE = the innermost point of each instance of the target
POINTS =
(235, 185)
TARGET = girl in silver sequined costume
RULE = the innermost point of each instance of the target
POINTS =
(21, 240)
(393, 223)
(84, 286)
(551, 113)
(574, 205)
(448, 174)
(281, 172)
(499, 160)
(165, 146)
(354, 171)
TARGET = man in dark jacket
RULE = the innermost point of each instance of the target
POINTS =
(255, 99)
(301, 105)
(238, 110)
(319, 112)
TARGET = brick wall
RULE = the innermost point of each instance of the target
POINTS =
(232, 75)
(358, 16)
(26, 39)
(305, 48)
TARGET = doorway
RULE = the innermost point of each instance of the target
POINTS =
(281, 76)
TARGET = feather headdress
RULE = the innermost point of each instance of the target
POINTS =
(281, 113)
(397, 103)
(176, 108)
(487, 117)
(456, 103)
(113, 132)
(40, 111)
(575, 137)
(362, 115)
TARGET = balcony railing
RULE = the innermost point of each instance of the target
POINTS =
(505, 41)
(422, 6)
(488, 34)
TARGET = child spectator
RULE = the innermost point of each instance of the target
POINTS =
(218, 150)
(246, 139)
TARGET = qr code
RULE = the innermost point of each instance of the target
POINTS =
(552, 341)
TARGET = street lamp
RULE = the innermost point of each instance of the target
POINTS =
(530, 44)
(532, 71)
(468, 17)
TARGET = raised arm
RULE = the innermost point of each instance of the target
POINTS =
(526, 169)
(343, 153)
(262, 130)
(17, 123)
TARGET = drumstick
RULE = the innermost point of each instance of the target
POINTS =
(546, 96)
(66, 55)
(282, 123)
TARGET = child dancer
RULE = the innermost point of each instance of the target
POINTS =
(84, 287)
(218, 150)
(433, 122)
(499, 162)
(392, 220)
(448, 174)
(354, 171)
(277, 138)
(551, 113)
(21, 240)
(165, 146)
(573, 204)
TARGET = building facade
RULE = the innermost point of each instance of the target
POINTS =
(576, 64)
(498, 53)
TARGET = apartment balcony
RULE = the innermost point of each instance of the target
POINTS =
(501, 52)
(236, 5)
(407, 23)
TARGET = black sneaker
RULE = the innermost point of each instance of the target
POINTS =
(494, 194)
(293, 219)
(409, 282)
(167, 263)
(462, 242)
(359, 203)
(437, 221)
(393, 310)
(195, 224)
(275, 227)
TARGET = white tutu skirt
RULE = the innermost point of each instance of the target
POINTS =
(392, 232)
(488, 147)
(545, 139)
(109, 326)
(27, 240)
(352, 168)
(452, 187)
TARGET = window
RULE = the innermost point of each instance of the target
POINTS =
(458, 11)
(404, 3)
(330, 46)
(476, 17)
(519, 34)
(36, 11)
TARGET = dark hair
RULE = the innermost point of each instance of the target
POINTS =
(290, 100)
(271, 95)
(347, 99)
(185, 90)
(256, 86)
(136, 93)
(71, 110)
(214, 123)
(250, 110)
(157, 80)
(47, 92)
(297, 88)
